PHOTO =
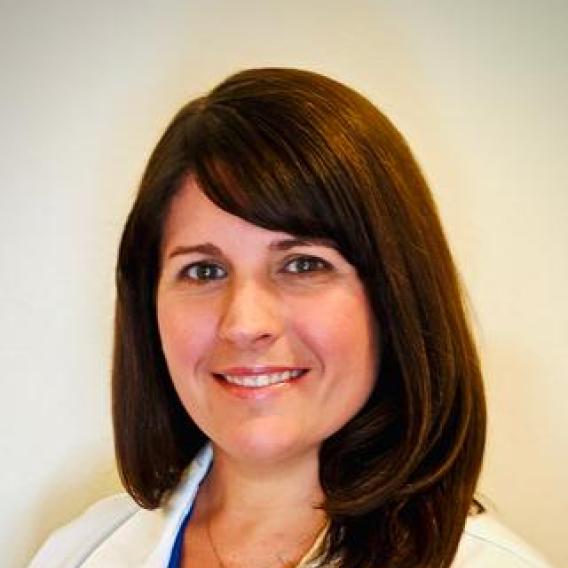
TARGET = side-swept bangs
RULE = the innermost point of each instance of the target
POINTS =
(274, 167)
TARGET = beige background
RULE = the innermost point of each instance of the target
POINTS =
(480, 90)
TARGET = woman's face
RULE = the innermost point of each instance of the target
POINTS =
(269, 339)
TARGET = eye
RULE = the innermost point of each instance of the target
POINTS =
(203, 272)
(306, 265)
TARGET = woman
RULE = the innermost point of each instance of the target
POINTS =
(289, 322)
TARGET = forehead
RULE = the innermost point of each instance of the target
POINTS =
(194, 217)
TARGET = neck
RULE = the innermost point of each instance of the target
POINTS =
(265, 490)
(256, 514)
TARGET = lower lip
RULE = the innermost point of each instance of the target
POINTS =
(258, 393)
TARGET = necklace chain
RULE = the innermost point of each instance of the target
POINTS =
(218, 555)
(212, 543)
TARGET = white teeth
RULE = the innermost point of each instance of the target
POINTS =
(262, 380)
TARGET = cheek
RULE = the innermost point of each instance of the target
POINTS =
(340, 327)
(344, 340)
(186, 336)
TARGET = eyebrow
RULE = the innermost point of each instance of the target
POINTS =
(205, 248)
(287, 244)
(210, 249)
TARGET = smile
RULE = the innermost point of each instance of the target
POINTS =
(264, 379)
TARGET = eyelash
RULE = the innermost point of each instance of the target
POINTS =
(315, 265)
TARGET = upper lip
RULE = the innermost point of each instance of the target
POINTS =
(257, 370)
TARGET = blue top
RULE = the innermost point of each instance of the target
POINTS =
(175, 558)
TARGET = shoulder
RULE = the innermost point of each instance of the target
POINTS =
(72, 543)
(117, 532)
(487, 543)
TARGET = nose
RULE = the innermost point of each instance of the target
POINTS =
(251, 317)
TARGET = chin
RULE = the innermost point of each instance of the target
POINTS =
(266, 443)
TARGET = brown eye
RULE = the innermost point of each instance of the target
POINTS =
(204, 272)
(306, 265)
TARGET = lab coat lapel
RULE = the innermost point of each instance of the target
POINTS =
(146, 539)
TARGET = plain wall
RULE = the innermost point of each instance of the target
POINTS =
(478, 88)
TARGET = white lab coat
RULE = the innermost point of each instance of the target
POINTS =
(116, 533)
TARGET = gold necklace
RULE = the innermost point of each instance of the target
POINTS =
(212, 543)
(317, 541)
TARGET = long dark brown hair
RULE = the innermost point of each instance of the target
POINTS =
(294, 151)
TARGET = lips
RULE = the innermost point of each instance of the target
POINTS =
(259, 377)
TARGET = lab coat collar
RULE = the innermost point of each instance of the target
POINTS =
(146, 539)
